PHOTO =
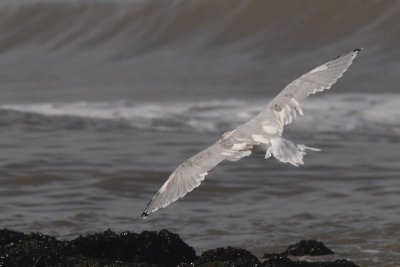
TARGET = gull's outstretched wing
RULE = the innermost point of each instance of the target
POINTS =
(264, 130)
(283, 108)
(192, 172)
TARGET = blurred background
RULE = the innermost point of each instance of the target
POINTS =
(101, 100)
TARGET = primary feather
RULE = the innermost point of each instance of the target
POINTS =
(263, 131)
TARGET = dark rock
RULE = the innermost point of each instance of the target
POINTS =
(308, 247)
(280, 260)
(303, 248)
(147, 249)
(340, 263)
(277, 260)
(162, 247)
(227, 256)
(32, 250)
(8, 236)
(95, 262)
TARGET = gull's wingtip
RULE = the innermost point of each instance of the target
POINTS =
(144, 215)
(147, 210)
(353, 51)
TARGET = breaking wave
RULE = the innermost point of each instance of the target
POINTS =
(333, 113)
(163, 49)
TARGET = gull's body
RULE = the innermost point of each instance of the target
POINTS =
(263, 132)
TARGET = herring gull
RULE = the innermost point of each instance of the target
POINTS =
(264, 131)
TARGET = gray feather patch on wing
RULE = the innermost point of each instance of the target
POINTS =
(284, 107)
(192, 172)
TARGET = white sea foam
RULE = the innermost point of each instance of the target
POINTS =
(378, 113)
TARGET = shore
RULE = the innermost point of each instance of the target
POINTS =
(149, 248)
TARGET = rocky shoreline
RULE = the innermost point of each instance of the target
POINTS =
(149, 248)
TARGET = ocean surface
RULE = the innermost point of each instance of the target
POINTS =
(101, 101)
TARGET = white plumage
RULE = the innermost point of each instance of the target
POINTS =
(262, 132)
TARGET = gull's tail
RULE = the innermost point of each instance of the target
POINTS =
(286, 151)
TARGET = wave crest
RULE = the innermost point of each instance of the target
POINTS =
(334, 114)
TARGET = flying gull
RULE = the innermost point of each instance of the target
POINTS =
(264, 132)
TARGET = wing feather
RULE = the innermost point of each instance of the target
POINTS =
(286, 104)
(192, 172)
